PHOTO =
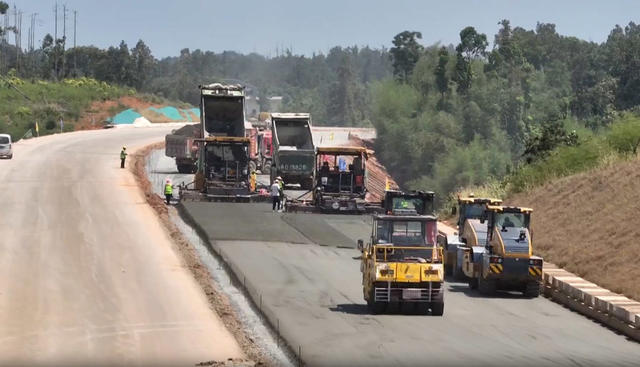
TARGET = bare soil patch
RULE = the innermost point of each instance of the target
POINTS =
(218, 301)
(588, 224)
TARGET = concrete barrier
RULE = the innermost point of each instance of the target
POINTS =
(611, 309)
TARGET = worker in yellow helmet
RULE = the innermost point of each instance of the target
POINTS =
(168, 190)
(123, 156)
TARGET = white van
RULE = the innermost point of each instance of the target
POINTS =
(5, 146)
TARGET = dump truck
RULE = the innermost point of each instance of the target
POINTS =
(504, 260)
(471, 231)
(181, 144)
(223, 169)
(293, 149)
(402, 266)
(260, 149)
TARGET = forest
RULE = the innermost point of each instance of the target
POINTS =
(447, 116)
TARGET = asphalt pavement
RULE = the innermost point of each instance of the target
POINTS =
(88, 275)
(312, 293)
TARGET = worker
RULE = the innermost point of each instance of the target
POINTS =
(253, 179)
(275, 195)
(281, 191)
(324, 170)
(168, 190)
(123, 156)
(507, 223)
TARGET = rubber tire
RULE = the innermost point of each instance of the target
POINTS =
(437, 309)
(457, 272)
(487, 287)
(266, 168)
(532, 290)
(375, 308)
(307, 184)
(473, 283)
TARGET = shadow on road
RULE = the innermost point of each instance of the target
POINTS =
(464, 288)
(351, 308)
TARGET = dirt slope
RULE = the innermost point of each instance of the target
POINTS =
(589, 225)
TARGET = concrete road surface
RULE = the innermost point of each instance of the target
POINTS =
(314, 294)
(87, 273)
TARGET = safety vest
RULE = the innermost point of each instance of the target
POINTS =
(123, 154)
(168, 189)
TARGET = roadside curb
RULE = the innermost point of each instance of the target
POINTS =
(611, 309)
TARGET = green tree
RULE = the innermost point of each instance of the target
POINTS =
(472, 45)
(405, 53)
(143, 63)
(442, 82)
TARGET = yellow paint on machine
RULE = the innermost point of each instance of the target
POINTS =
(535, 271)
(412, 273)
(496, 268)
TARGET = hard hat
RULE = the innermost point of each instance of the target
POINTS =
(168, 180)
(278, 178)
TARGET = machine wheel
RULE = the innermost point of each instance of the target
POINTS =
(375, 308)
(437, 308)
(473, 283)
(183, 168)
(457, 272)
(252, 166)
(487, 286)
(266, 167)
(532, 290)
(307, 184)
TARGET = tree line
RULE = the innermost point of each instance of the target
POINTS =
(455, 116)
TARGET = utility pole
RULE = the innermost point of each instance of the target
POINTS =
(75, 51)
(55, 44)
(64, 38)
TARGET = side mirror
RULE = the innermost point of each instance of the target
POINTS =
(360, 245)
(454, 210)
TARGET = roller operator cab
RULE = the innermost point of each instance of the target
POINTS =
(471, 231)
(505, 259)
(340, 179)
(6, 151)
(411, 203)
(402, 266)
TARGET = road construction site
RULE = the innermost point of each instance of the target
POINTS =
(302, 273)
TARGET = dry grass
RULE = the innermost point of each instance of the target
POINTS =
(218, 301)
(588, 224)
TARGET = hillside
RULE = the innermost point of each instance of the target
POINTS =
(82, 103)
(587, 223)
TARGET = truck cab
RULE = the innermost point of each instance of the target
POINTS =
(402, 266)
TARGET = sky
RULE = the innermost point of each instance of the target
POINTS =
(305, 27)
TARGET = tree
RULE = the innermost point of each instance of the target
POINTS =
(3, 10)
(441, 71)
(472, 45)
(143, 62)
(342, 107)
(405, 54)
